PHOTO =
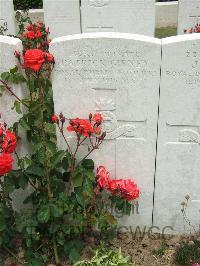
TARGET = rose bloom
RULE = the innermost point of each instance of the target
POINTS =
(38, 34)
(114, 186)
(10, 142)
(129, 190)
(49, 57)
(81, 126)
(34, 59)
(103, 177)
(30, 35)
(97, 118)
(54, 118)
(5, 163)
(29, 27)
(124, 188)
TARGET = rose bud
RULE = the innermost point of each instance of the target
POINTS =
(54, 119)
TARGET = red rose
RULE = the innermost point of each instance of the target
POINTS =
(30, 35)
(129, 190)
(48, 57)
(10, 142)
(38, 34)
(5, 163)
(81, 126)
(1, 129)
(54, 118)
(114, 186)
(29, 27)
(126, 189)
(103, 177)
(34, 59)
(97, 118)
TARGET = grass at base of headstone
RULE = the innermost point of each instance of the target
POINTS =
(165, 32)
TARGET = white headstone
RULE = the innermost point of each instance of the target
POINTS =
(131, 16)
(8, 45)
(188, 14)
(62, 17)
(7, 17)
(118, 75)
(178, 152)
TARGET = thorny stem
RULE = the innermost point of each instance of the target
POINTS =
(11, 253)
(55, 250)
(12, 93)
(61, 131)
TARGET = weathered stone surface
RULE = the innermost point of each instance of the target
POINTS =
(188, 14)
(7, 16)
(62, 17)
(118, 75)
(131, 16)
(178, 154)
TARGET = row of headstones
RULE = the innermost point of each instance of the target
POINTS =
(131, 16)
(124, 77)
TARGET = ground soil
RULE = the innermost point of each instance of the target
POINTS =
(145, 251)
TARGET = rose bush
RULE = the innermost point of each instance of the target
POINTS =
(68, 197)
(196, 29)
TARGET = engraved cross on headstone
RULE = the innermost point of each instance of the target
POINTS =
(106, 105)
(100, 26)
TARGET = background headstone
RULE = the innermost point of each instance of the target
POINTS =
(62, 17)
(188, 14)
(131, 16)
(178, 150)
(118, 75)
(7, 16)
(8, 45)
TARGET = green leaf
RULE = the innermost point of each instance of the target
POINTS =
(44, 214)
(77, 178)
(9, 184)
(17, 107)
(5, 76)
(23, 181)
(2, 89)
(35, 170)
(88, 164)
(57, 158)
(14, 70)
(56, 211)
(65, 163)
(23, 123)
(50, 128)
(2, 225)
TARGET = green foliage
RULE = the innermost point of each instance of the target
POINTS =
(188, 253)
(105, 256)
(161, 250)
(27, 4)
(65, 205)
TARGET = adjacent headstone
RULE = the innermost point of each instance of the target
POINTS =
(7, 17)
(188, 14)
(8, 45)
(178, 150)
(131, 16)
(62, 17)
(118, 75)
